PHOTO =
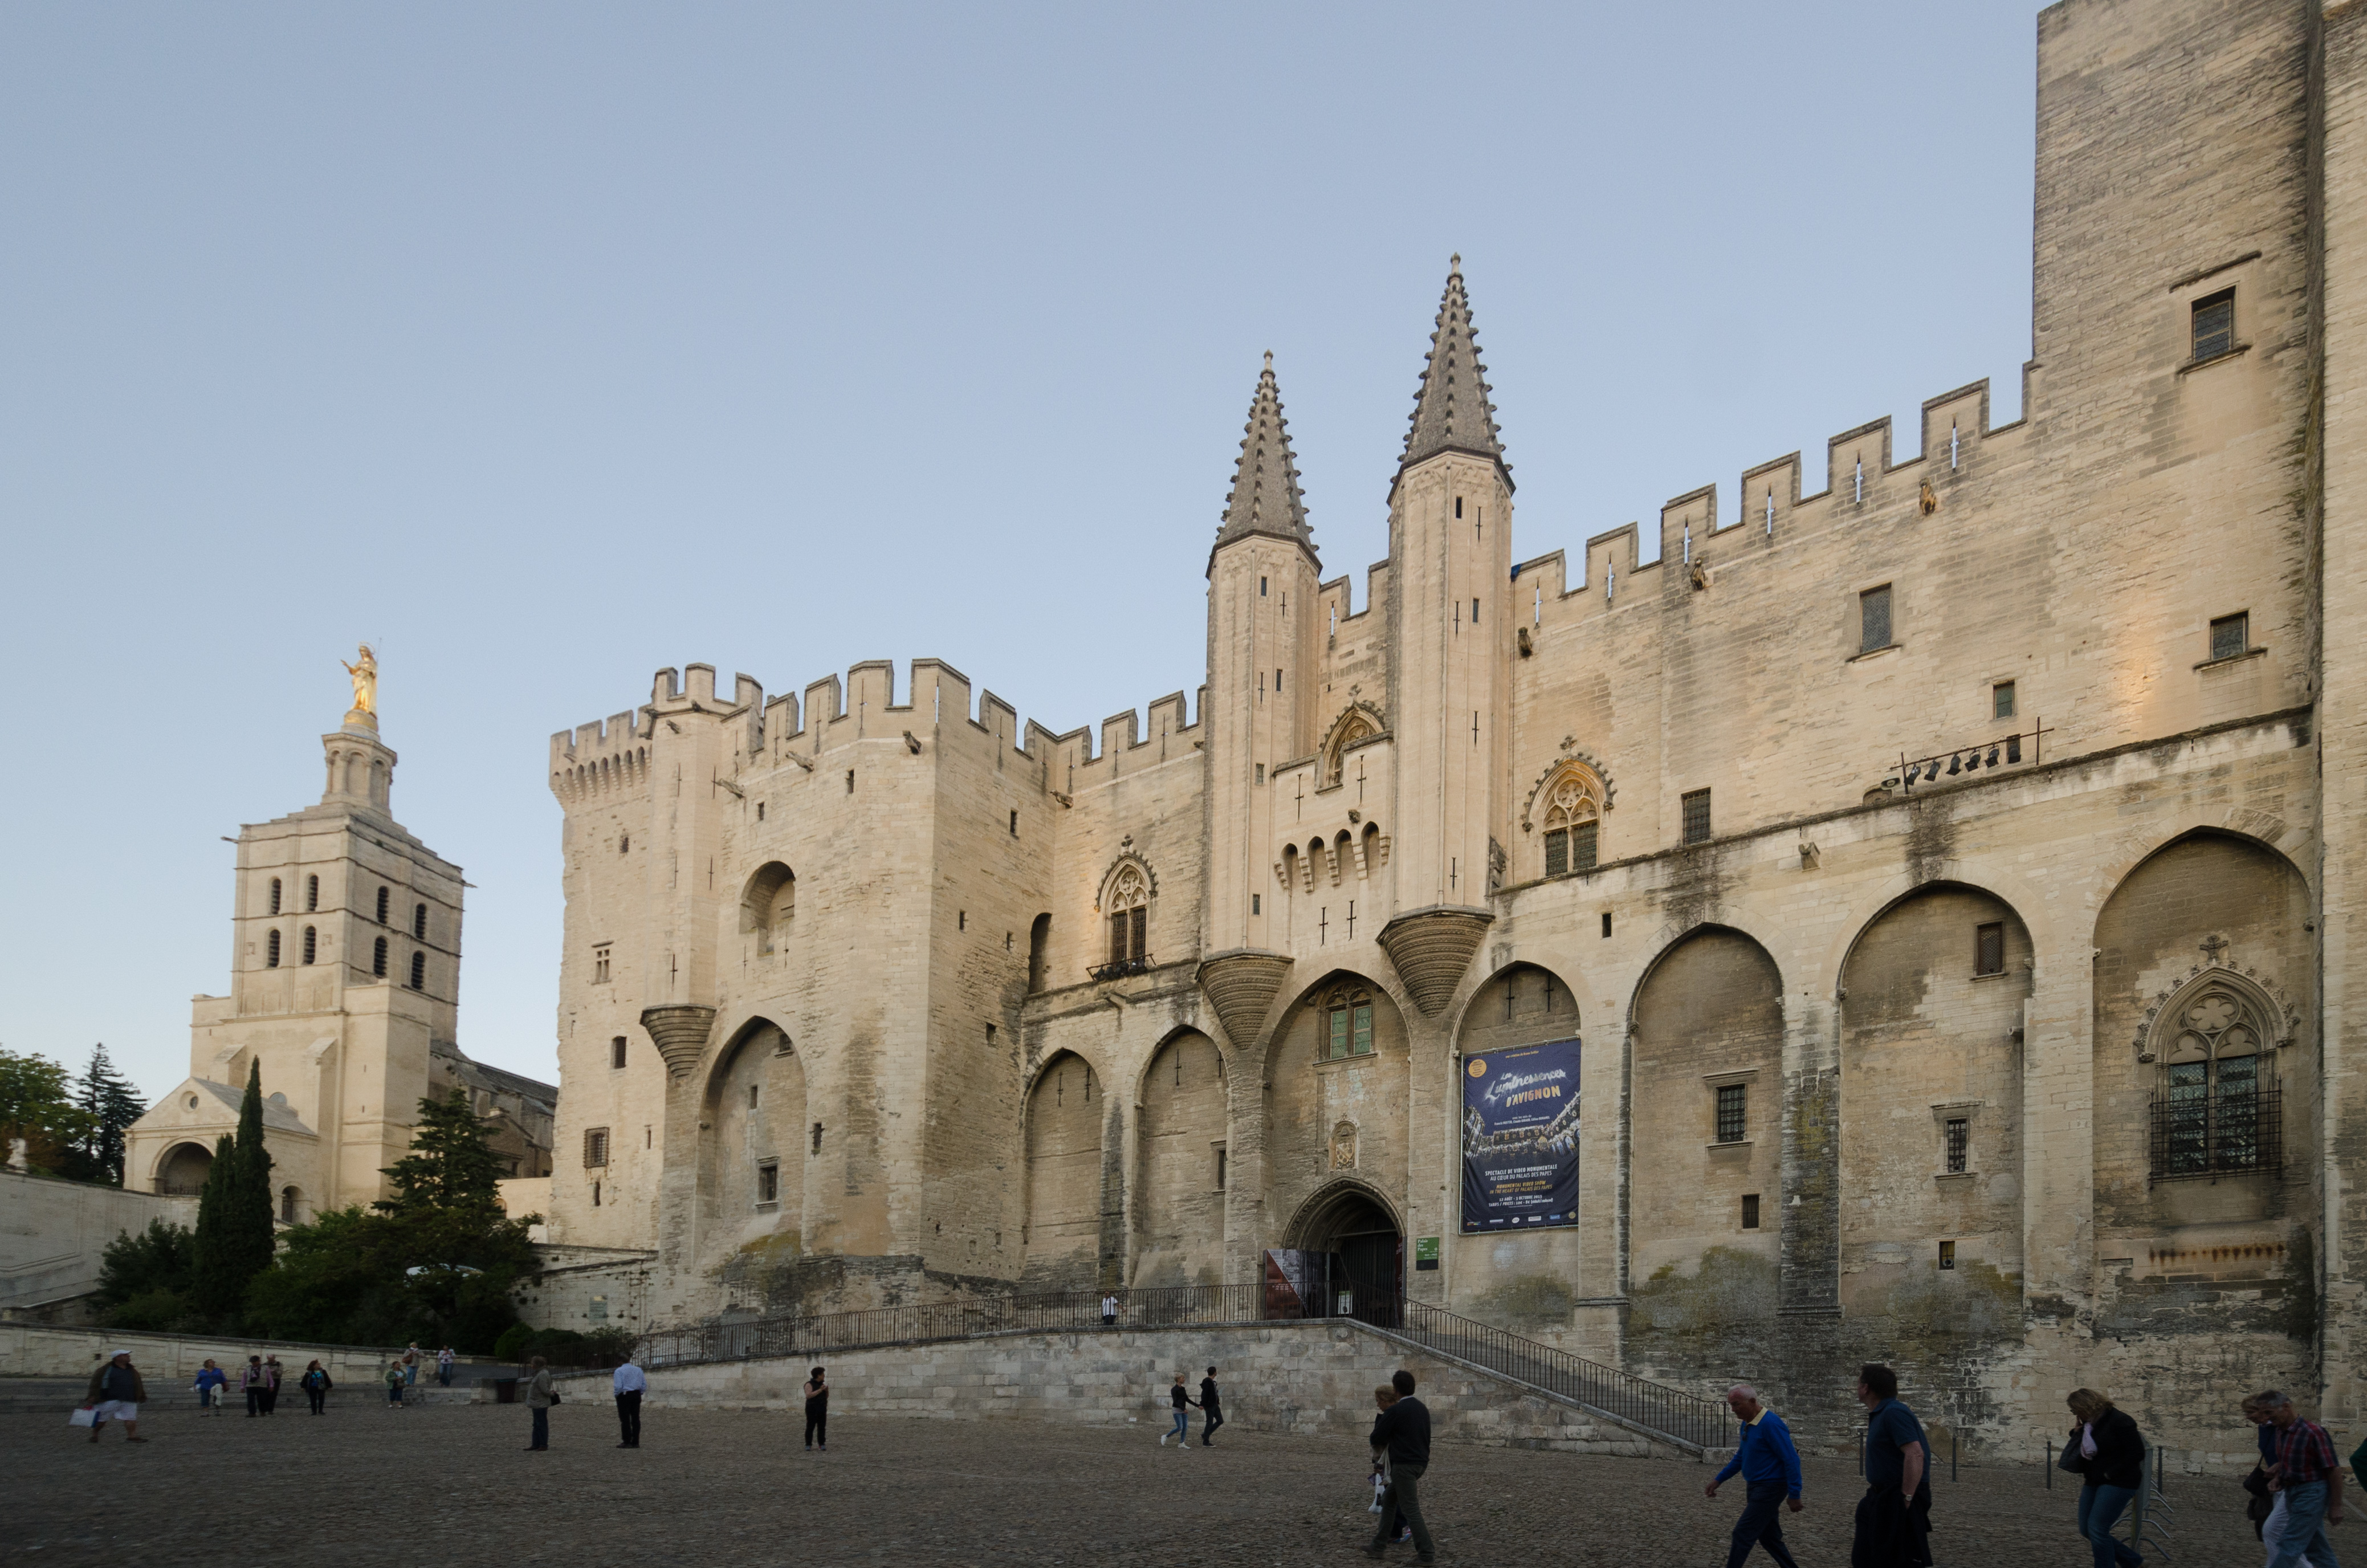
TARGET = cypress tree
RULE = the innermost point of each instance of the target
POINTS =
(234, 1240)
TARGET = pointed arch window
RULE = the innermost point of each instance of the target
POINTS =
(1573, 822)
(1347, 1023)
(2216, 1107)
(1127, 909)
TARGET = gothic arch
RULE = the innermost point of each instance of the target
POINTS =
(1065, 1110)
(1182, 1158)
(1129, 876)
(752, 1142)
(768, 903)
(1314, 1223)
(1357, 722)
(2259, 1006)
(1593, 777)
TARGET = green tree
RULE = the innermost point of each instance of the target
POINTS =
(234, 1241)
(435, 1261)
(37, 1106)
(111, 1104)
(144, 1280)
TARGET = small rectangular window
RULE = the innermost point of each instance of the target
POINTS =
(598, 1309)
(1960, 1139)
(1947, 1254)
(2231, 635)
(1750, 1210)
(1220, 1167)
(1014, 824)
(1874, 619)
(600, 965)
(754, 1092)
(768, 1182)
(1261, 772)
(1475, 612)
(2001, 699)
(1731, 1121)
(1696, 809)
(1261, 587)
(596, 1147)
(1606, 923)
(2214, 326)
(1257, 903)
(616, 1051)
(849, 781)
(1989, 947)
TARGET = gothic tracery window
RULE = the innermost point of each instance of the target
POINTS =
(1127, 907)
(1572, 825)
(1353, 728)
(2215, 1108)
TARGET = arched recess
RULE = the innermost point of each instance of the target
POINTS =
(2206, 1104)
(768, 903)
(181, 1172)
(1355, 1225)
(1040, 953)
(1182, 1162)
(1338, 1064)
(751, 1149)
(1531, 1284)
(1705, 1129)
(1065, 1112)
(1931, 1102)
(1126, 891)
(1358, 724)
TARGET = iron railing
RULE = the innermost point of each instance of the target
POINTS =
(1656, 1407)
(2006, 751)
(2217, 1133)
(1118, 969)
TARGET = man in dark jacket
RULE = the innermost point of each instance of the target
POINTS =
(1212, 1415)
(1404, 1429)
(1893, 1517)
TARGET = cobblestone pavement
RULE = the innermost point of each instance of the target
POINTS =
(449, 1485)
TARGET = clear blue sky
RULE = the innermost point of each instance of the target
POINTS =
(549, 344)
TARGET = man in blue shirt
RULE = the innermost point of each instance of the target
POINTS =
(1770, 1467)
(1894, 1516)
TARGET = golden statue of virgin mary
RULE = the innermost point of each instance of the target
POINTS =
(365, 677)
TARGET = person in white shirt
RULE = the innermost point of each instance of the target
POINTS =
(629, 1382)
(1109, 1310)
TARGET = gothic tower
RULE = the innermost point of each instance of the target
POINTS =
(1263, 576)
(1450, 539)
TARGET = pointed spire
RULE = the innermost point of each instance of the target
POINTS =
(1451, 411)
(1265, 497)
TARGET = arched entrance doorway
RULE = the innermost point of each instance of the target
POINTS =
(182, 1171)
(1350, 1252)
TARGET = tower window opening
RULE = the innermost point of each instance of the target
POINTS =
(275, 895)
(1261, 587)
(377, 958)
(419, 920)
(2231, 635)
(1732, 1102)
(1989, 947)
(419, 971)
(382, 904)
(768, 1182)
(849, 781)
(1349, 1016)
(311, 894)
(1015, 823)
(596, 1147)
(1860, 479)
(1257, 903)
(2001, 701)
(1874, 619)
(599, 963)
(1750, 1210)
(1458, 505)
(271, 951)
(760, 811)
(1606, 923)
(1959, 1146)
(616, 1051)
(312, 943)
(2214, 326)
(1952, 443)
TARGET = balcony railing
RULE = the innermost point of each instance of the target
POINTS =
(1118, 969)
(2005, 751)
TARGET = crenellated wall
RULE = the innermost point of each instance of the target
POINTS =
(1988, 790)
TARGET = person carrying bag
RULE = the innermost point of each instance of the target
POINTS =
(2107, 1454)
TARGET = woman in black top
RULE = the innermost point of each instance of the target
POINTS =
(2110, 1456)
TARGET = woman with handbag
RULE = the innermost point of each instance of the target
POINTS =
(2107, 1452)
(540, 1395)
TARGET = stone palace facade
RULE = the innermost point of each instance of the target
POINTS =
(1947, 872)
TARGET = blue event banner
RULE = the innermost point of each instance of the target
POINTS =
(1519, 1138)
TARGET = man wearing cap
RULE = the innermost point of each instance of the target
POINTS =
(116, 1392)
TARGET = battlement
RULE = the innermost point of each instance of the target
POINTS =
(1864, 480)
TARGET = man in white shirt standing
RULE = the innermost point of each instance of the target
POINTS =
(1109, 1310)
(629, 1382)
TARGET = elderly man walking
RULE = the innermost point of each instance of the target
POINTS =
(2308, 1477)
(1770, 1467)
(630, 1384)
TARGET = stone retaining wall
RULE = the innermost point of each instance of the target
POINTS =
(1305, 1377)
(39, 1350)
